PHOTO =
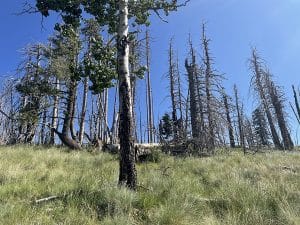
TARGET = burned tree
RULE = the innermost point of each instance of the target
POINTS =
(277, 98)
(173, 94)
(228, 118)
(239, 118)
(149, 92)
(296, 108)
(209, 79)
(33, 88)
(258, 84)
(193, 92)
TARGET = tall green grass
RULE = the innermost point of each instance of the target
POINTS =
(228, 189)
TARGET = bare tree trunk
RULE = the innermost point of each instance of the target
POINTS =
(54, 122)
(228, 118)
(208, 77)
(133, 79)
(43, 127)
(68, 113)
(99, 117)
(297, 111)
(114, 127)
(128, 175)
(187, 106)
(73, 107)
(240, 120)
(149, 91)
(192, 74)
(182, 131)
(83, 109)
(279, 111)
(106, 128)
(172, 90)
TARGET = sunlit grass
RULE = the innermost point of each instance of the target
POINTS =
(228, 189)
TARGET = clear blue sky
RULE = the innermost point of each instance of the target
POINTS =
(273, 26)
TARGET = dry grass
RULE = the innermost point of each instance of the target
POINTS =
(229, 188)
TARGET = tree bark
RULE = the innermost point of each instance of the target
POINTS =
(68, 113)
(54, 121)
(128, 175)
(149, 91)
(172, 90)
(83, 109)
(279, 111)
(297, 111)
(229, 123)
(240, 119)
(191, 70)
(208, 77)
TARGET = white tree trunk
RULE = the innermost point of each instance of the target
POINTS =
(127, 156)
(54, 122)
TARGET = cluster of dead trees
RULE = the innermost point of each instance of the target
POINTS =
(205, 117)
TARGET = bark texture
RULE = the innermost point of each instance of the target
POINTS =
(128, 175)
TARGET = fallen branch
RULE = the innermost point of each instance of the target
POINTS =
(46, 199)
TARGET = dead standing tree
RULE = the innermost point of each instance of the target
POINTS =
(229, 120)
(212, 88)
(257, 83)
(296, 108)
(239, 118)
(277, 100)
(191, 68)
(149, 98)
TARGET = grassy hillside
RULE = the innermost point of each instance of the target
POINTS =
(226, 189)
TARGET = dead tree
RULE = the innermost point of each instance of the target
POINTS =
(55, 111)
(192, 84)
(172, 80)
(208, 85)
(239, 118)
(249, 134)
(277, 100)
(149, 93)
(228, 118)
(296, 109)
(181, 127)
(258, 85)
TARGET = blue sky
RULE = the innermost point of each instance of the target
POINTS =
(234, 26)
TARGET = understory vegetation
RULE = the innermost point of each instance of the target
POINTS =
(228, 188)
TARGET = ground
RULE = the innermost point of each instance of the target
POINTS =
(229, 188)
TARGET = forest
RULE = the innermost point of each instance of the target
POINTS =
(78, 147)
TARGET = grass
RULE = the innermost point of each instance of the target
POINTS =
(229, 188)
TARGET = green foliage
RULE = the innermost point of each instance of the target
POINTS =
(166, 127)
(66, 46)
(227, 189)
(105, 11)
(99, 63)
